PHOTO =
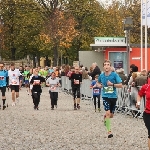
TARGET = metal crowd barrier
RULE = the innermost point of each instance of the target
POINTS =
(126, 99)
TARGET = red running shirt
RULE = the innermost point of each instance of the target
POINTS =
(145, 91)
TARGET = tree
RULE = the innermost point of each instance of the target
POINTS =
(89, 17)
(60, 27)
(23, 21)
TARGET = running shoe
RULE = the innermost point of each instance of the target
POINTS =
(56, 106)
(110, 135)
(75, 108)
(4, 106)
(52, 108)
(99, 109)
(13, 104)
(78, 106)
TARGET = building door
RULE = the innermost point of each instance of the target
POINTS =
(119, 60)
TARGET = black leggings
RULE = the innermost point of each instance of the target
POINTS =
(54, 98)
(36, 98)
(146, 118)
(74, 91)
(98, 97)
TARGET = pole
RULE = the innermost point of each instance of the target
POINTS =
(146, 35)
(141, 37)
(127, 52)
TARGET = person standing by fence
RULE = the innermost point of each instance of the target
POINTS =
(76, 79)
(53, 84)
(145, 91)
(109, 82)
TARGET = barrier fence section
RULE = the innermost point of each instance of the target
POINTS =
(126, 98)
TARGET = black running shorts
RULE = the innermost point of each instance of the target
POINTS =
(14, 88)
(109, 104)
(3, 90)
(146, 118)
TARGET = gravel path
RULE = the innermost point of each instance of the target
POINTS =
(23, 128)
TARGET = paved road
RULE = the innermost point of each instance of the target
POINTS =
(23, 128)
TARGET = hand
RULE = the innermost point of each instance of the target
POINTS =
(138, 105)
(109, 83)
(99, 85)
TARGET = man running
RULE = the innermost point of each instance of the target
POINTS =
(14, 83)
(3, 83)
(76, 79)
(109, 82)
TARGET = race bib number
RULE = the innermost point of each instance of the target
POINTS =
(108, 89)
(52, 88)
(36, 82)
(76, 82)
(1, 77)
(96, 91)
(14, 81)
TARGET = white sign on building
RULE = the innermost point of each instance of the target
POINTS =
(109, 40)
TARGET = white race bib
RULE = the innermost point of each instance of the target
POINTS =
(76, 81)
(37, 82)
(52, 88)
(108, 89)
(13, 81)
(96, 91)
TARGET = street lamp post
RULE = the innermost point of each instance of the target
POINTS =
(128, 22)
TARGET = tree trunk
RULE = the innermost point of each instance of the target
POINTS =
(38, 60)
(55, 52)
(34, 63)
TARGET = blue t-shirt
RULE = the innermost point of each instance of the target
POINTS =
(96, 90)
(109, 91)
(3, 75)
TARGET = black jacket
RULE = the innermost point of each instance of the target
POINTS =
(95, 72)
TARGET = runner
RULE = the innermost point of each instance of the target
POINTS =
(3, 83)
(36, 81)
(145, 91)
(76, 79)
(96, 92)
(109, 82)
(14, 83)
(53, 83)
(26, 77)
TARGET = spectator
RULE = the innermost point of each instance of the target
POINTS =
(84, 74)
(121, 74)
(96, 71)
(131, 71)
(141, 79)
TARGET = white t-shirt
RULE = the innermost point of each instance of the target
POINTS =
(14, 77)
(53, 84)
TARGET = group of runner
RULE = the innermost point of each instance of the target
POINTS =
(108, 81)
(15, 78)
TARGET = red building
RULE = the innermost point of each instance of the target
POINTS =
(115, 49)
